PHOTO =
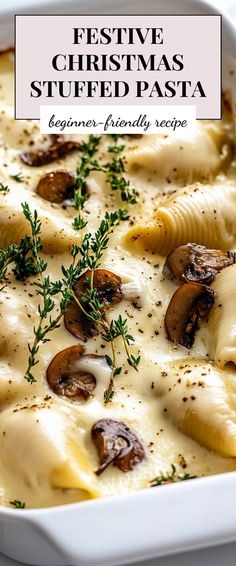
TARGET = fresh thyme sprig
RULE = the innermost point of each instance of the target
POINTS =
(83, 257)
(91, 250)
(118, 328)
(17, 504)
(93, 309)
(20, 255)
(18, 177)
(115, 173)
(7, 256)
(24, 256)
(36, 242)
(87, 164)
(170, 477)
(92, 247)
(47, 290)
(4, 188)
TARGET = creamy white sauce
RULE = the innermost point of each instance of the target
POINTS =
(136, 400)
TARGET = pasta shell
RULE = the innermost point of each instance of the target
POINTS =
(187, 158)
(222, 321)
(201, 214)
(201, 401)
(43, 445)
(57, 233)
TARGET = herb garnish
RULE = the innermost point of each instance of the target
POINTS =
(87, 164)
(170, 477)
(115, 329)
(36, 242)
(84, 257)
(91, 250)
(18, 254)
(4, 188)
(24, 256)
(18, 177)
(17, 504)
(115, 173)
(47, 290)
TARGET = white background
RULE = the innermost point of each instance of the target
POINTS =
(221, 555)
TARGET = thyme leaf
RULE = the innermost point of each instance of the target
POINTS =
(17, 504)
(4, 188)
(18, 177)
(170, 477)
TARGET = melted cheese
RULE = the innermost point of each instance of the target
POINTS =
(47, 455)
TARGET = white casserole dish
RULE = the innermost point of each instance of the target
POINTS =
(152, 522)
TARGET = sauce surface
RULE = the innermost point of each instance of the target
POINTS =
(38, 429)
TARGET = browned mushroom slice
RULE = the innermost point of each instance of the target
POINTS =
(56, 138)
(116, 444)
(134, 136)
(78, 324)
(109, 292)
(108, 286)
(55, 186)
(57, 149)
(66, 375)
(192, 262)
(191, 302)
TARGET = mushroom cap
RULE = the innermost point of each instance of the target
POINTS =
(54, 186)
(66, 378)
(189, 303)
(108, 286)
(109, 293)
(116, 443)
(192, 262)
(58, 148)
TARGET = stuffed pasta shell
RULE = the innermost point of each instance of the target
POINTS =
(201, 401)
(204, 214)
(187, 159)
(42, 445)
(57, 232)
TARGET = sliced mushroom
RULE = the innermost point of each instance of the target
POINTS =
(191, 302)
(58, 148)
(78, 324)
(116, 444)
(192, 262)
(109, 293)
(56, 138)
(134, 136)
(56, 186)
(67, 374)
